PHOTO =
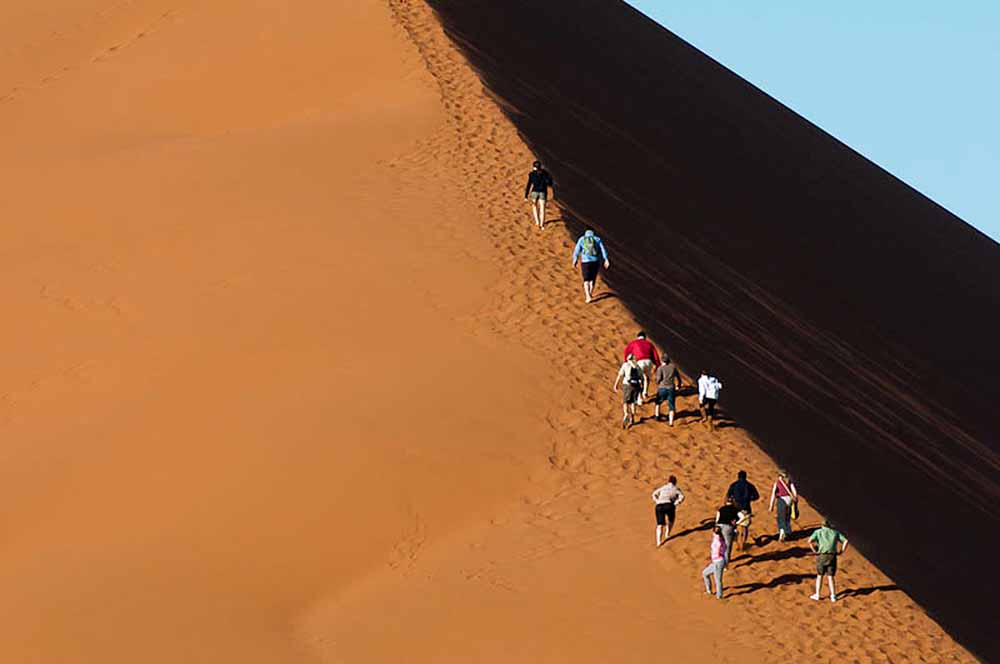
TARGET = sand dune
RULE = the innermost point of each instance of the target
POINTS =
(290, 379)
(852, 317)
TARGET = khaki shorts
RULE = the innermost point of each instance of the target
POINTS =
(537, 195)
(631, 393)
(826, 563)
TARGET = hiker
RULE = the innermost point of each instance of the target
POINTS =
(743, 493)
(667, 498)
(726, 518)
(645, 354)
(784, 494)
(632, 380)
(743, 521)
(537, 190)
(667, 378)
(708, 393)
(823, 543)
(590, 251)
(718, 564)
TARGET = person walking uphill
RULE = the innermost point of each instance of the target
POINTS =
(742, 492)
(632, 381)
(537, 191)
(718, 564)
(668, 381)
(590, 251)
(823, 543)
(667, 498)
(783, 494)
(645, 354)
(726, 519)
(708, 393)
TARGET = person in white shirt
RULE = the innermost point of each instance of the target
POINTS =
(708, 393)
(633, 382)
(667, 498)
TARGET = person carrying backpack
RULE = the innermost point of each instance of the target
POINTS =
(589, 252)
(537, 190)
(633, 382)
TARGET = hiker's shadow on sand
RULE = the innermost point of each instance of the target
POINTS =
(783, 580)
(783, 554)
(557, 220)
(861, 592)
(604, 296)
(804, 532)
(706, 524)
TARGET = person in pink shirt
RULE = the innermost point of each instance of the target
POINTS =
(718, 564)
(645, 355)
(784, 495)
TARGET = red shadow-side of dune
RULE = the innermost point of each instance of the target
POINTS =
(852, 320)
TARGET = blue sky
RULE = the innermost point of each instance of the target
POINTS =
(912, 85)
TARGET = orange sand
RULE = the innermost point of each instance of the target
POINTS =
(289, 378)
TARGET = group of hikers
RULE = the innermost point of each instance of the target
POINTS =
(732, 528)
(642, 366)
(642, 363)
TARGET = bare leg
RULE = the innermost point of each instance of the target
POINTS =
(656, 412)
(624, 416)
(534, 212)
(588, 290)
(833, 591)
(819, 580)
(670, 417)
(659, 532)
(541, 213)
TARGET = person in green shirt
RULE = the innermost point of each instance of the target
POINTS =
(823, 543)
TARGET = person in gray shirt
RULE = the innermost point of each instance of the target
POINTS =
(668, 380)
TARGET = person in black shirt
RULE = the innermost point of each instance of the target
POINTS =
(537, 190)
(726, 519)
(743, 493)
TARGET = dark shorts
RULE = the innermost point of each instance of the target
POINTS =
(589, 270)
(710, 407)
(826, 563)
(631, 393)
(665, 513)
(665, 394)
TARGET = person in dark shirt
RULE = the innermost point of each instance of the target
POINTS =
(537, 191)
(726, 518)
(743, 493)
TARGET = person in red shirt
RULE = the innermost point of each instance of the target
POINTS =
(645, 355)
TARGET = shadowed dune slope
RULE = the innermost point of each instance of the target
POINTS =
(852, 320)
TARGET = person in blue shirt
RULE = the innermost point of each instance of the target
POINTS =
(589, 252)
